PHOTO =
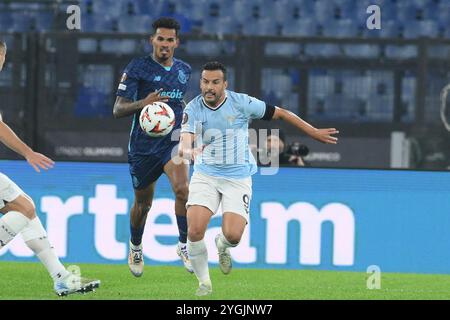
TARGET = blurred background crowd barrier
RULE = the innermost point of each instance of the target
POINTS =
(381, 88)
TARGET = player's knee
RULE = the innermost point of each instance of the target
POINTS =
(181, 191)
(233, 237)
(143, 206)
(195, 233)
(27, 208)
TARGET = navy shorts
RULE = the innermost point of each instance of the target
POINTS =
(146, 169)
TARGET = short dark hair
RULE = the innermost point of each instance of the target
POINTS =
(215, 65)
(2, 44)
(166, 22)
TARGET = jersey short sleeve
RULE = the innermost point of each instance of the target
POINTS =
(129, 82)
(253, 108)
(188, 122)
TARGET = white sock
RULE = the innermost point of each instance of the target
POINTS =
(182, 245)
(10, 225)
(199, 259)
(134, 247)
(224, 244)
(35, 238)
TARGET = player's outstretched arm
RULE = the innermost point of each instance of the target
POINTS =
(12, 141)
(322, 135)
(185, 149)
(124, 107)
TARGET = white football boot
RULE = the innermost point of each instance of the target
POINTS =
(225, 263)
(204, 289)
(183, 254)
(136, 260)
(75, 284)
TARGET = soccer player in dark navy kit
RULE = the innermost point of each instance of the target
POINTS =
(156, 77)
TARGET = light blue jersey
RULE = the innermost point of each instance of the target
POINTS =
(223, 133)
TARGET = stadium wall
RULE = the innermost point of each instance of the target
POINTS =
(301, 218)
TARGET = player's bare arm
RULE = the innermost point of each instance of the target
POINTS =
(322, 135)
(185, 149)
(124, 107)
(12, 141)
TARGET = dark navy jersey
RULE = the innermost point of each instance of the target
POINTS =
(141, 77)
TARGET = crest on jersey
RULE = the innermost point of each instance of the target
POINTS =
(124, 77)
(231, 120)
(135, 181)
(182, 77)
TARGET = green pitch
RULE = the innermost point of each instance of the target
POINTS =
(30, 281)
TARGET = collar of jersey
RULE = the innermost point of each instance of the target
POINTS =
(165, 68)
(218, 107)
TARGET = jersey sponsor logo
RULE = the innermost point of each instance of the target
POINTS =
(157, 78)
(182, 77)
(174, 94)
(124, 77)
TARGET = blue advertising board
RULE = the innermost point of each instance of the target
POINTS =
(300, 218)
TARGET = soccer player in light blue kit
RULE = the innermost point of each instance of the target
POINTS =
(223, 164)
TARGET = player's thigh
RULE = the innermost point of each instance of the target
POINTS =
(144, 170)
(236, 196)
(144, 197)
(198, 218)
(203, 191)
(178, 174)
(9, 192)
(233, 226)
(22, 204)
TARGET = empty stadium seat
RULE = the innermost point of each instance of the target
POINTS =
(138, 23)
(260, 27)
(300, 28)
(282, 49)
(219, 26)
(361, 50)
(340, 29)
(118, 46)
(417, 29)
(6, 21)
(111, 8)
(401, 52)
(21, 22)
(320, 50)
(91, 23)
(87, 45)
(380, 108)
(390, 29)
(43, 21)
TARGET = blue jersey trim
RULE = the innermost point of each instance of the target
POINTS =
(131, 132)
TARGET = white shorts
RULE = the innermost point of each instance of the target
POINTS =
(9, 191)
(209, 191)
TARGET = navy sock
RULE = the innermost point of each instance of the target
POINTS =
(182, 228)
(136, 235)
